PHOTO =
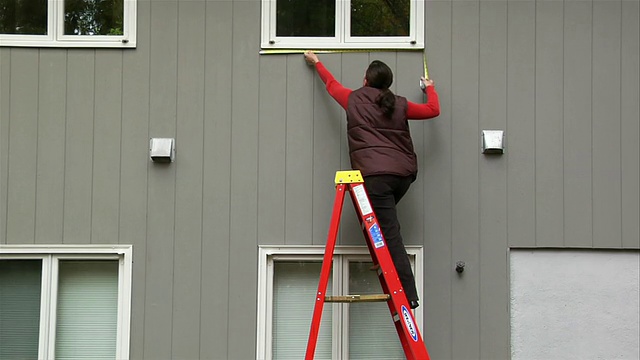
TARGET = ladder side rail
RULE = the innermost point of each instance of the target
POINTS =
(383, 284)
(325, 271)
(385, 289)
(403, 317)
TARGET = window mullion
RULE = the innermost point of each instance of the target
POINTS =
(342, 18)
(45, 275)
(51, 19)
(52, 306)
(269, 308)
(124, 301)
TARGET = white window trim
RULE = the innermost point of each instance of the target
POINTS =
(343, 38)
(50, 255)
(267, 254)
(55, 32)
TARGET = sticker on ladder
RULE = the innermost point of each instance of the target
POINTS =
(376, 236)
(363, 201)
(408, 321)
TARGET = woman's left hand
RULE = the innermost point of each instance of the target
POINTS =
(427, 82)
(311, 58)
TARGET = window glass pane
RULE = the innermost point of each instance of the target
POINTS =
(27, 17)
(20, 287)
(93, 17)
(380, 17)
(86, 325)
(306, 18)
(372, 334)
(294, 287)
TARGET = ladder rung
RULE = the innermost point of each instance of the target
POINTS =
(357, 298)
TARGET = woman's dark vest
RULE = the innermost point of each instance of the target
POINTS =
(379, 145)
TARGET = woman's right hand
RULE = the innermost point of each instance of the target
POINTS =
(310, 57)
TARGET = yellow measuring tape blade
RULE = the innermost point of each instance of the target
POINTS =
(333, 51)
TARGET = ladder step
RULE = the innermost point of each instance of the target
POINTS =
(357, 298)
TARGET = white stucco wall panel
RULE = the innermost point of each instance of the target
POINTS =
(574, 304)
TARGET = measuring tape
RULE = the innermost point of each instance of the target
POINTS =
(333, 51)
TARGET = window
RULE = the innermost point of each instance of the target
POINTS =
(288, 280)
(63, 302)
(340, 24)
(68, 23)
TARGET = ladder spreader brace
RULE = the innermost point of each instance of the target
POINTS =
(351, 181)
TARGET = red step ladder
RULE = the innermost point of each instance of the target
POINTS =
(412, 344)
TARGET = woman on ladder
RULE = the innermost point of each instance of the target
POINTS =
(380, 146)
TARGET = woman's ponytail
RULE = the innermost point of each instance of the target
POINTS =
(380, 76)
(387, 102)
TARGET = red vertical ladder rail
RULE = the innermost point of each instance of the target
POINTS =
(325, 271)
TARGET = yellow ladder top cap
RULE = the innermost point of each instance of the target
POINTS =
(348, 177)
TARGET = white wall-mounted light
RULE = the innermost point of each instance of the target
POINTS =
(162, 150)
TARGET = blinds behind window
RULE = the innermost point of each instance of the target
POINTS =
(20, 287)
(86, 325)
(372, 334)
(294, 287)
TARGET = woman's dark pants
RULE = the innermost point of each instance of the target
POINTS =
(385, 191)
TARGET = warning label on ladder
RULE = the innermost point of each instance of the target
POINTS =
(376, 236)
(363, 201)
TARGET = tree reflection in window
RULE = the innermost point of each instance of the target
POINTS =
(380, 17)
(306, 18)
(93, 17)
(27, 17)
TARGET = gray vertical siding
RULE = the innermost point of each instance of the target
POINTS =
(492, 263)
(465, 291)
(5, 101)
(577, 124)
(272, 149)
(549, 44)
(161, 196)
(606, 125)
(79, 147)
(327, 129)
(298, 172)
(436, 175)
(134, 160)
(216, 199)
(258, 142)
(521, 123)
(187, 275)
(630, 125)
(107, 131)
(51, 149)
(245, 129)
(22, 147)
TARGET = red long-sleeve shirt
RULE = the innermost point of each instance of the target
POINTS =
(415, 111)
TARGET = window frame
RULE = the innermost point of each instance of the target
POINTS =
(268, 254)
(55, 32)
(343, 38)
(50, 256)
